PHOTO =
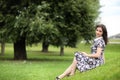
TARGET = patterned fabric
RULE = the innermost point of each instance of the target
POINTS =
(86, 63)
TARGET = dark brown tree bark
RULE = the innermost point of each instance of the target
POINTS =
(2, 48)
(20, 50)
(61, 50)
(45, 46)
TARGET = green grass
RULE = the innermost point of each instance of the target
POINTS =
(46, 66)
(114, 40)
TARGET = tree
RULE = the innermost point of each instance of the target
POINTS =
(32, 22)
(9, 11)
(2, 41)
(89, 12)
(57, 22)
(3, 36)
(24, 22)
(2, 44)
(74, 20)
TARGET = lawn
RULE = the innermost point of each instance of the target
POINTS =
(46, 66)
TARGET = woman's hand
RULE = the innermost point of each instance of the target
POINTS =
(96, 55)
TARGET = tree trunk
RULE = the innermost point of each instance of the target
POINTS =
(61, 50)
(2, 48)
(45, 46)
(20, 50)
(87, 41)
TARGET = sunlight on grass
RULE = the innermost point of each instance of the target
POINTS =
(46, 66)
(114, 40)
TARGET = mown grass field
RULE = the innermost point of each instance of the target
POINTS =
(46, 66)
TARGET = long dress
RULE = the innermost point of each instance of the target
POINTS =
(85, 63)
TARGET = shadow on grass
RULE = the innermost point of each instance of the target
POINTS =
(40, 56)
(35, 59)
(47, 58)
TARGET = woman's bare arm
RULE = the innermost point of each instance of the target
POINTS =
(96, 55)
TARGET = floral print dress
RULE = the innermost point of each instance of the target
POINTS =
(85, 63)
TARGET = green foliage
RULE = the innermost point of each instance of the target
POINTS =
(57, 22)
(30, 20)
(7, 18)
(89, 13)
(74, 19)
(34, 23)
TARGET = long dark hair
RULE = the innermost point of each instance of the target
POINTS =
(104, 35)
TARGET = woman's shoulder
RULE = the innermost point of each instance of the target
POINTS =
(99, 41)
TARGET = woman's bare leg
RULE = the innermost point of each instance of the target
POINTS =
(66, 72)
(70, 70)
(74, 65)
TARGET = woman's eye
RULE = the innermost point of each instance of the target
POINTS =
(98, 30)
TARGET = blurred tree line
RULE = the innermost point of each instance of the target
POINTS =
(51, 22)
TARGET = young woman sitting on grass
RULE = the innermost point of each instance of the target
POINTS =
(83, 61)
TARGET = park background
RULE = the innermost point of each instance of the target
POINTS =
(39, 38)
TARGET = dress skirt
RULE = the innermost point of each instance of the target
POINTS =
(85, 63)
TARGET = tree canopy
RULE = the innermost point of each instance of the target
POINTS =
(56, 22)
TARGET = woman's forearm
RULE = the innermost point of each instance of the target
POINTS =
(94, 55)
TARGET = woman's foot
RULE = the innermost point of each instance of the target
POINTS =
(57, 78)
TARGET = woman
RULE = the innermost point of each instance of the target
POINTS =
(83, 61)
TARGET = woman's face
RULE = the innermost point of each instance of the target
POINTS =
(99, 32)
